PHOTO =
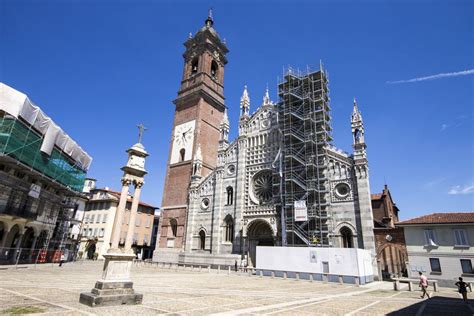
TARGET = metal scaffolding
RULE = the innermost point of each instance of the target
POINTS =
(304, 122)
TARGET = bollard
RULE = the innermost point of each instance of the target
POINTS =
(311, 277)
(285, 275)
(340, 279)
(396, 285)
(209, 269)
(297, 276)
(250, 271)
(357, 281)
(273, 274)
(261, 273)
(200, 268)
(218, 268)
(228, 272)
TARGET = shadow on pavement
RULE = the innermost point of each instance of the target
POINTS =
(438, 305)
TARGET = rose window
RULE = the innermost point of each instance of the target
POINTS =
(262, 186)
(342, 190)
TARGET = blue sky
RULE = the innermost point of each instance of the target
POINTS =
(100, 68)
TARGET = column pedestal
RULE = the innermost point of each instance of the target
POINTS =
(115, 287)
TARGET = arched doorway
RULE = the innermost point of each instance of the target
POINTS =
(13, 237)
(42, 239)
(28, 238)
(259, 233)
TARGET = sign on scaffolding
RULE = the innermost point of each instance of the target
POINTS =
(35, 191)
(301, 212)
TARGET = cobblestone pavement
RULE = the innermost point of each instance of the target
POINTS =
(55, 290)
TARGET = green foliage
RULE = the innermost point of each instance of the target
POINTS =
(20, 310)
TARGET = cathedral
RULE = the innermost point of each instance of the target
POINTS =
(281, 182)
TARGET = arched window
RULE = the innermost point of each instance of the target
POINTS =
(214, 69)
(194, 66)
(356, 136)
(174, 227)
(202, 240)
(347, 239)
(230, 195)
(229, 229)
(182, 152)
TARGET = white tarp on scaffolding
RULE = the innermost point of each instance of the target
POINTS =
(50, 138)
(17, 104)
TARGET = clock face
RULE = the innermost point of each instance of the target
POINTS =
(183, 139)
(183, 134)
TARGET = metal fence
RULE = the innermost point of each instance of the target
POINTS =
(16, 256)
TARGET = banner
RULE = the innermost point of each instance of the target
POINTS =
(301, 212)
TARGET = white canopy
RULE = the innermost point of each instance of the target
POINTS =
(18, 104)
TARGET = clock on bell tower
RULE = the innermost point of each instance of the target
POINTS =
(199, 112)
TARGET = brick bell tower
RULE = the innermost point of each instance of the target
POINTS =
(198, 115)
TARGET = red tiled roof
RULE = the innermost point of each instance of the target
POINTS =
(129, 199)
(440, 218)
(376, 196)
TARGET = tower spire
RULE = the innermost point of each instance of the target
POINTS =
(224, 129)
(357, 126)
(356, 116)
(210, 20)
(245, 103)
(266, 97)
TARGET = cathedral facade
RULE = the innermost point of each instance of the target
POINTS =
(281, 182)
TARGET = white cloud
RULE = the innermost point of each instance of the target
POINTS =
(437, 76)
(434, 182)
(467, 189)
(458, 121)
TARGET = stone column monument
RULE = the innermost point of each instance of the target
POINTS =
(116, 287)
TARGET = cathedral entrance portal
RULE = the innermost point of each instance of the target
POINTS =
(259, 233)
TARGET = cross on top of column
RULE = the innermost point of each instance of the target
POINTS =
(141, 129)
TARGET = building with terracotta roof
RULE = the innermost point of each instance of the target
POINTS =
(97, 226)
(441, 246)
(389, 239)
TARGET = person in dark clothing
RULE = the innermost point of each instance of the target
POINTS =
(462, 288)
(61, 261)
(235, 265)
(90, 252)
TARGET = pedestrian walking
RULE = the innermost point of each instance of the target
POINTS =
(423, 284)
(462, 288)
(235, 265)
(62, 259)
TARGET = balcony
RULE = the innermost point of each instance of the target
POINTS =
(21, 211)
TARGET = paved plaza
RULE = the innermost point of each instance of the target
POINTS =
(53, 290)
